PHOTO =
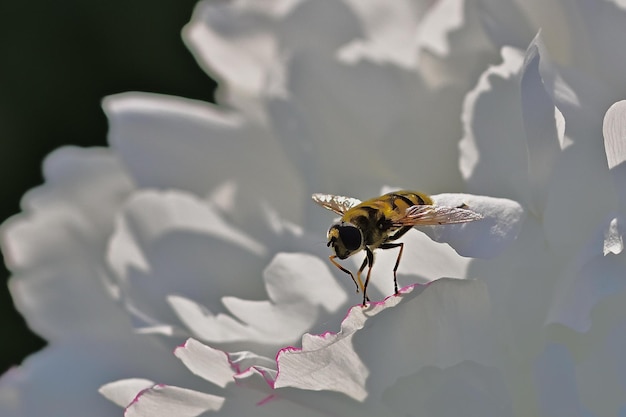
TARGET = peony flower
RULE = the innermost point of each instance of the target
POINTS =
(194, 232)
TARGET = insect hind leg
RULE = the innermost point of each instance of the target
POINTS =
(369, 260)
(366, 262)
(395, 268)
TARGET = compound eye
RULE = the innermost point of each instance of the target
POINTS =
(350, 237)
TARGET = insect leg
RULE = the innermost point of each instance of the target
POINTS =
(332, 260)
(395, 268)
(387, 245)
(370, 262)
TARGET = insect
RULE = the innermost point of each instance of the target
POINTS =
(377, 223)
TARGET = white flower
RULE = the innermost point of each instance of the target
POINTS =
(196, 228)
(537, 130)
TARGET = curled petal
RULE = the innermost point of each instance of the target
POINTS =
(301, 291)
(208, 363)
(122, 392)
(485, 238)
(614, 131)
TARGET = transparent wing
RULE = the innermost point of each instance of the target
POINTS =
(433, 215)
(337, 203)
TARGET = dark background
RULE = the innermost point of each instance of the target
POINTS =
(57, 61)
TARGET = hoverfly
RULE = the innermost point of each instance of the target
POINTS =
(377, 223)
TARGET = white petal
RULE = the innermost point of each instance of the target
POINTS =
(235, 44)
(614, 131)
(206, 362)
(124, 391)
(439, 325)
(485, 238)
(167, 401)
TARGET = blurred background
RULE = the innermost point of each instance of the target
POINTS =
(57, 61)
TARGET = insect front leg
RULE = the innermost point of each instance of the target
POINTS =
(358, 274)
(395, 268)
(332, 260)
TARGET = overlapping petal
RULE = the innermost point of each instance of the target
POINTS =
(357, 361)
(598, 270)
(67, 218)
(167, 253)
(363, 360)
(500, 225)
(168, 142)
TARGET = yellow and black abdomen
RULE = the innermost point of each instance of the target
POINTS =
(394, 204)
(403, 199)
(374, 217)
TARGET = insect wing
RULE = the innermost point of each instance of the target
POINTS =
(433, 215)
(337, 203)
